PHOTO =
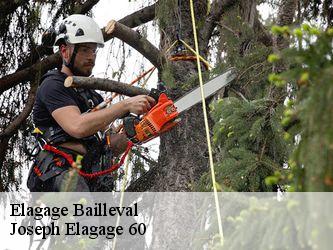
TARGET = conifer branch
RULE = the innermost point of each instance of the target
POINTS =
(218, 8)
(239, 94)
(236, 34)
(27, 74)
(16, 123)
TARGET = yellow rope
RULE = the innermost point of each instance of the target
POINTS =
(122, 193)
(197, 54)
(172, 45)
(190, 49)
(211, 163)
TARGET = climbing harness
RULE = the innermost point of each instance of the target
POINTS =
(76, 165)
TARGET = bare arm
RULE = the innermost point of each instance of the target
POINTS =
(81, 125)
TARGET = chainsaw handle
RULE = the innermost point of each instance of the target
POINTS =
(155, 93)
(130, 120)
(129, 123)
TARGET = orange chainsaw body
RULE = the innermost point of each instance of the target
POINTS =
(159, 119)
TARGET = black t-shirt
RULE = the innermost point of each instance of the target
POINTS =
(52, 94)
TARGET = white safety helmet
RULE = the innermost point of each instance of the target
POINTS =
(79, 29)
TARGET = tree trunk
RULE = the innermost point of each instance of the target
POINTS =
(183, 151)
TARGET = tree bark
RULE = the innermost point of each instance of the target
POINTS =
(183, 150)
(263, 35)
(139, 17)
(104, 84)
(286, 14)
(182, 146)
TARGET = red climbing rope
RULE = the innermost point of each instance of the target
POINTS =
(70, 160)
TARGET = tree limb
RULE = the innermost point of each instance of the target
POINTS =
(8, 7)
(26, 74)
(14, 125)
(134, 39)
(218, 8)
(105, 85)
(84, 8)
(139, 17)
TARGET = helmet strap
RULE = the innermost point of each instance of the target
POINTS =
(70, 64)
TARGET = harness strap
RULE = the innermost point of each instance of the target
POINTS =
(73, 164)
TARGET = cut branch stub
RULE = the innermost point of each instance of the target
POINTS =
(104, 84)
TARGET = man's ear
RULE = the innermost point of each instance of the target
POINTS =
(64, 51)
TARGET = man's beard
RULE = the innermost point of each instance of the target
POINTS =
(78, 72)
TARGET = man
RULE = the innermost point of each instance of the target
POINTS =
(61, 116)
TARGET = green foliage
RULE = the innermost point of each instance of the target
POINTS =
(277, 80)
(308, 117)
(246, 54)
(248, 142)
(280, 30)
(292, 223)
(248, 138)
(252, 150)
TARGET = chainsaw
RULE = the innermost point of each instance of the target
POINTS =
(165, 114)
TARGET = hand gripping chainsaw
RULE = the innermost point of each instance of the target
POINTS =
(165, 114)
